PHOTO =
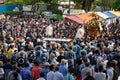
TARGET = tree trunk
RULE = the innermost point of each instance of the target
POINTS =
(87, 5)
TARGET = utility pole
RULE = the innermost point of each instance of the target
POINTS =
(69, 7)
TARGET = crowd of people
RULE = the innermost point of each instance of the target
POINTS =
(25, 55)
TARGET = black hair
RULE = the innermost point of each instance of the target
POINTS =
(51, 67)
(101, 68)
(109, 64)
(8, 60)
(42, 74)
(36, 63)
(87, 64)
(71, 70)
(15, 75)
(57, 68)
(26, 65)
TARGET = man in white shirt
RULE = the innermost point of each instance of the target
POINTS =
(85, 70)
(58, 75)
(51, 74)
(110, 71)
(100, 75)
(41, 76)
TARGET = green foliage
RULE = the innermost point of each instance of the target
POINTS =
(54, 1)
(106, 3)
(12, 13)
(85, 4)
(41, 3)
(55, 11)
(21, 2)
(78, 1)
(116, 5)
(78, 6)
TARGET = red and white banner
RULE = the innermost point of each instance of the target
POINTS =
(49, 30)
(80, 33)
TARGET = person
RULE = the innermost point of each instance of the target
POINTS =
(36, 70)
(58, 75)
(53, 59)
(115, 70)
(7, 68)
(63, 69)
(70, 74)
(41, 76)
(1, 70)
(51, 74)
(30, 62)
(85, 70)
(3, 57)
(100, 75)
(15, 76)
(110, 70)
(70, 57)
(45, 70)
(11, 51)
(21, 60)
(61, 56)
(89, 77)
(26, 73)
(11, 73)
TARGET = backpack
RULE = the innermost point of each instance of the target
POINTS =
(116, 75)
(21, 61)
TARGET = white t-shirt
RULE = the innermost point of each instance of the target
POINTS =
(51, 75)
(100, 76)
(1, 72)
(110, 73)
(40, 79)
(84, 71)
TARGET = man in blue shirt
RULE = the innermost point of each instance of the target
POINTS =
(26, 73)
(45, 70)
(63, 69)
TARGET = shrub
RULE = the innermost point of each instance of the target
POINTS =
(12, 13)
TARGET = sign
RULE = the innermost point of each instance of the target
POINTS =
(49, 30)
(16, 9)
(80, 33)
(27, 8)
(74, 11)
(29, 13)
(50, 16)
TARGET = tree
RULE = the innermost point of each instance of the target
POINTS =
(116, 5)
(86, 4)
(105, 4)
(50, 1)
(21, 2)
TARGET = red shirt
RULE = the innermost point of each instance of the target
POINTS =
(36, 72)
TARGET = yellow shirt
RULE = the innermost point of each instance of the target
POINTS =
(10, 53)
